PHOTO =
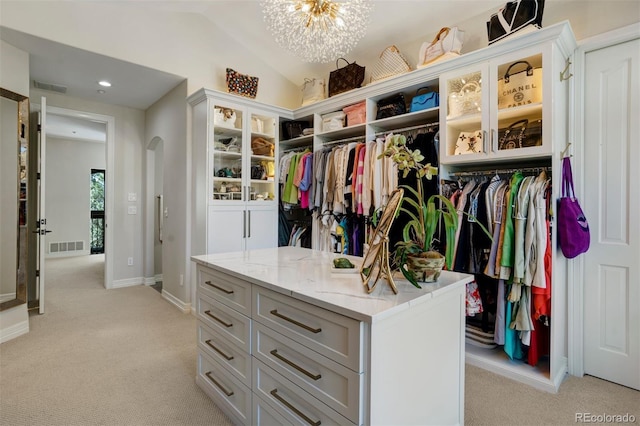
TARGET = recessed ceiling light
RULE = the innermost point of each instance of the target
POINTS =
(104, 83)
(102, 92)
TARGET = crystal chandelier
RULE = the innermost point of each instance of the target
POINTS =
(317, 30)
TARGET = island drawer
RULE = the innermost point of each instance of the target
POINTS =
(294, 404)
(225, 288)
(218, 347)
(230, 323)
(227, 391)
(333, 335)
(330, 382)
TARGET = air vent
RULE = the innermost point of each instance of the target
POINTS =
(49, 86)
(66, 246)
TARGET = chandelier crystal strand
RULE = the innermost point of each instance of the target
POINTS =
(317, 30)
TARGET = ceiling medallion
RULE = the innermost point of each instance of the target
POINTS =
(317, 30)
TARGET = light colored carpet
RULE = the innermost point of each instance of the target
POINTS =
(127, 357)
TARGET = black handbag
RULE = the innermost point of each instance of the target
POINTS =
(521, 134)
(293, 129)
(391, 106)
(346, 78)
(514, 16)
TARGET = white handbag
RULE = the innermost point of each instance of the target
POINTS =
(224, 117)
(469, 143)
(520, 88)
(391, 62)
(313, 90)
(447, 41)
(467, 101)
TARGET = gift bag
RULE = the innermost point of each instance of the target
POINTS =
(469, 143)
(521, 87)
(241, 84)
(514, 16)
(573, 229)
(391, 106)
(466, 101)
(346, 78)
(424, 100)
(448, 40)
(313, 90)
(390, 63)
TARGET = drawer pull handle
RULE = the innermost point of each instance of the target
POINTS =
(299, 324)
(297, 367)
(227, 357)
(226, 392)
(226, 324)
(274, 393)
(224, 290)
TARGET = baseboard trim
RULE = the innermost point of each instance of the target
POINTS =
(158, 277)
(184, 307)
(149, 281)
(128, 282)
(14, 331)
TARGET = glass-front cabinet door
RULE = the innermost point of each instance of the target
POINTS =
(494, 110)
(243, 155)
(227, 154)
(261, 163)
(465, 110)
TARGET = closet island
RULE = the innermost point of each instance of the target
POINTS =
(285, 339)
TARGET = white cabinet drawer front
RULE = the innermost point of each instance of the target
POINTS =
(225, 288)
(214, 344)
(227, 391)
(265, 415)
(330, 382)
(293, 403)
(333, 335)
(235, 326)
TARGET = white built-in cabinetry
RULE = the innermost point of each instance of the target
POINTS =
(548, 52)
(234, 208)
(230, 224)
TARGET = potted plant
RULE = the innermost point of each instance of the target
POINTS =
(414, 255)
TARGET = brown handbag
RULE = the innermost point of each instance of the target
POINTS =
(261, 146)
(346, 78)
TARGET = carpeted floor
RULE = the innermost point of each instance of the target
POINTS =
(127, 357)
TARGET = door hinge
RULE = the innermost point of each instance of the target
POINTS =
(38, 175)
(37, 273)
(39, 127)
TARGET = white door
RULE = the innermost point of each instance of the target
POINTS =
(612, 207)
(42, 220)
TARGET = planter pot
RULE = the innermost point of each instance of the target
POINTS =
(426, 266)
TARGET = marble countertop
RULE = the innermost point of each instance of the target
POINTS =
(307, 275)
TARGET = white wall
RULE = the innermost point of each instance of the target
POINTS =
(127, 173)
(14, 76)
(69, 164)
(167, 120)
(184, 44)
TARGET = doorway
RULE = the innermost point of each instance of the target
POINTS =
(89, 158)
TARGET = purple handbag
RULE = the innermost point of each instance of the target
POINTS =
(573, 229)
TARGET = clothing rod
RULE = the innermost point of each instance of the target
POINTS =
(355, 138)
(502, 171)
(406, 129)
